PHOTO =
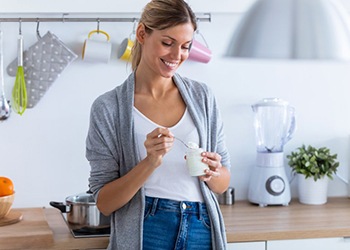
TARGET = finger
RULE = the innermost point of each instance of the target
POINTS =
(212, 159)
(205, 178)
(160, 132)
(212, 156)
(212, 163)
(212, 173)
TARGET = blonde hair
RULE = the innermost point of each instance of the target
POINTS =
(160, 15)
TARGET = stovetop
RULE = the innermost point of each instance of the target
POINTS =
(86, 232)
(89, 233)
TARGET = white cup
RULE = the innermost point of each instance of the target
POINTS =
(194, 162)
(97, 50)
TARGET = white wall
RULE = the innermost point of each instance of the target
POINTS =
(43, 150)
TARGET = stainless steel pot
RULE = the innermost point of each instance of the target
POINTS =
(82, 212)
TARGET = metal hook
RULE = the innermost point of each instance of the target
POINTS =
(134, 27)
(37, 28)
(133, 33)
(20, 26)
(199, 33)
(98, 25)
(197, 30)
(64, 17)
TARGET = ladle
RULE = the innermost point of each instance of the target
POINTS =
(5, 108)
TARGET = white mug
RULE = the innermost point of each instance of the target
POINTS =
(97, 50)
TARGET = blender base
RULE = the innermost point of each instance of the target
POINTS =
(269, 184)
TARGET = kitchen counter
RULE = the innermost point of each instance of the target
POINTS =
(247, 222)
(60, 238)
(244, 222)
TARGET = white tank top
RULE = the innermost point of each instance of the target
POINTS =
(171, 179)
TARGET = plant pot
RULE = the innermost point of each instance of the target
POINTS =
(312, 192)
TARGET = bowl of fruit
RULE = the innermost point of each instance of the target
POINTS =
(7, 196)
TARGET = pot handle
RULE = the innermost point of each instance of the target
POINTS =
(59, 205)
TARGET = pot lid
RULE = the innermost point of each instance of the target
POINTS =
(82, 198)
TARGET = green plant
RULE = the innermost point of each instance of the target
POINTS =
(313, 162)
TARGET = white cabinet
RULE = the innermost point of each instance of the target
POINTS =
(247, 246)
(306, 244)
(300, 244)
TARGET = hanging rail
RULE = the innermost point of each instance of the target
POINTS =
(206, 18)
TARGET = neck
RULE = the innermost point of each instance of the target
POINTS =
(151, 84)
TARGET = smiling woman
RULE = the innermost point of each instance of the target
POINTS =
(138, 173)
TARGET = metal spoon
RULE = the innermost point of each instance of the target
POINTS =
(182, 142)
(5, 108)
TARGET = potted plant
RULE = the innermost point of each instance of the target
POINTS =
(314, 167)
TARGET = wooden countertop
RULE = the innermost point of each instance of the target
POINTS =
(63, 239)
(247, 222)
(244, 222)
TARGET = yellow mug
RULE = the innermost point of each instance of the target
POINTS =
(97, 50)
(124, 51)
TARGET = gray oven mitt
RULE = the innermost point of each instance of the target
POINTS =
(43, 62)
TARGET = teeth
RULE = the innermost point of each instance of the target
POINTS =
(170, 64)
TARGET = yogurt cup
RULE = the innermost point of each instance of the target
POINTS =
(194, 160)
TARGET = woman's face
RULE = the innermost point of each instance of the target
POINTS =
(163, 51)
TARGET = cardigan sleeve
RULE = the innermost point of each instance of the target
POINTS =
(100, 146)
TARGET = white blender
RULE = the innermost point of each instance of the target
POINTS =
(274, 125)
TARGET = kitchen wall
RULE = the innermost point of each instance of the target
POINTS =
(43, 151)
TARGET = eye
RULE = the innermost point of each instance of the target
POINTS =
(167, 44)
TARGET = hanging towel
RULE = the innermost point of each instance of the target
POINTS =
(43, 62)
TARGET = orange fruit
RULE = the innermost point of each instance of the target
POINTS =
(6, 186)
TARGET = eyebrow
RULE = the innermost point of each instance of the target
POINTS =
(173, 39)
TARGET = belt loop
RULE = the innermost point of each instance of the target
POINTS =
(199, 210)
(154, 206)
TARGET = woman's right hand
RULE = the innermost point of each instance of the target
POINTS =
(157, 144)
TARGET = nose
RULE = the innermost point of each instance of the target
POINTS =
(176, 52)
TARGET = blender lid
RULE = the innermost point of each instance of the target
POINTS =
(273, 101)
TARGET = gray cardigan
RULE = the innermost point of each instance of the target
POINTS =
(111, 151)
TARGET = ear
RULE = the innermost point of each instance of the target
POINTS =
(141, 33)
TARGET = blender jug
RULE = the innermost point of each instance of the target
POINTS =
(274, 124)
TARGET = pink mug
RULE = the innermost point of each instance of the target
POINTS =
(199, 52)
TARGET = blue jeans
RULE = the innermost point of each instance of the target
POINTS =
(175, 225)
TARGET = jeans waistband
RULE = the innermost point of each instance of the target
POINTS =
(177, 206)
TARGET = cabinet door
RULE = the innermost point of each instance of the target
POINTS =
(246, 246)
(306, 244)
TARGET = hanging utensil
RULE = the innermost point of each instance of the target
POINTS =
(5, 108)
(19, 92)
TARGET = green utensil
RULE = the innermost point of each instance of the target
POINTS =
(19, 91)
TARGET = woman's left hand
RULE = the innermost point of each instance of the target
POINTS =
(214, 162)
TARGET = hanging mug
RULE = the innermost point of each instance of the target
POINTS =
(124, 50)
(97, 50)
(200, 52)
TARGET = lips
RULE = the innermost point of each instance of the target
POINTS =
(170, 64)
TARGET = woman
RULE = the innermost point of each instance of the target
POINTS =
(138, 171)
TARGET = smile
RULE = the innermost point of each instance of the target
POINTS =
(169, 64)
